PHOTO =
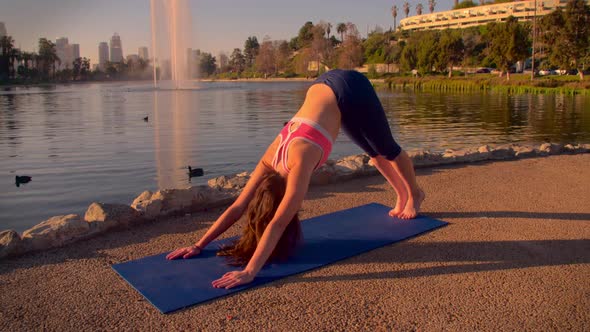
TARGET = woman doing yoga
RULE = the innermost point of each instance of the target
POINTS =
(277, 186)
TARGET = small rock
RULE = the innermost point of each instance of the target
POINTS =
(484, 149)
(550, 148)
(502, 152)
(226, 182)
(103, 216)
(55, 232)
(524, 152)
(10, 243)
(148, 204)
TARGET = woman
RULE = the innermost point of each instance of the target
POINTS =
(338, 98)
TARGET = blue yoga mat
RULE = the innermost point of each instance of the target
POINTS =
(173, 285)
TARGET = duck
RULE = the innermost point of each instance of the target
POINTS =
(22, 179)
(195, 172)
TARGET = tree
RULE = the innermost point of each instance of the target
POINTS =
(351, 52)
(223, 62)
(473, 47)
(568, 35)
(305, 35)
(509, 43)
(319, 45)
(251, 47)
(76, 67)
(431, 5)
(265, 60)
(282, 54)
(341, 29)
(47, 57)
(407, 8)
(464, 4)
(375, 47)
(237, 62)
(419, 8)
(409, 55)
(7, 46)
(427, 46)
(85, 68)
(394, 14)
(450, 48)
(207, 64)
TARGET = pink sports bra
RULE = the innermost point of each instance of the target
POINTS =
(310, 132)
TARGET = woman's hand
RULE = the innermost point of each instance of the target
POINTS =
(233, 279)
(184, 253)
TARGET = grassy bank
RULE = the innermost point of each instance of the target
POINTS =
(519, 83)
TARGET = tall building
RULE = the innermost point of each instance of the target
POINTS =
(3, 30)
(61, 50)
(75, 48)
(143, 53)
(103, 55)
(116, 48)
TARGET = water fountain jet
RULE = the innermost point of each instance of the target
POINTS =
(171, 37)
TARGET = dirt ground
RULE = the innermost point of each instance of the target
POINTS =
(515, 256)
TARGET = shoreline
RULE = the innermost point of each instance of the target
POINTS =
(515, 256)
(59, 231)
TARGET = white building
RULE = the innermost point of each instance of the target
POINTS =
(480, 15)
(75, 49)
(143, 53)
(103, 55)
(116, 47)
(63, 53)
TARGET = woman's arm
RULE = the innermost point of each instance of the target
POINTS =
(234, 212)
(297, 186)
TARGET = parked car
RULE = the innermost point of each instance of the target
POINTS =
(482, 71)
(544, 72)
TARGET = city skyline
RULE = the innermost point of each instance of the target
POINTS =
(218, 26)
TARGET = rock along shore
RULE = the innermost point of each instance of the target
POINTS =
(150, 206)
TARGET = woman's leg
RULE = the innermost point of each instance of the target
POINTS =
(404, 168)
(385, 168)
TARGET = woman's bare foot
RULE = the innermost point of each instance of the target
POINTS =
(413, 205)
(399, 206)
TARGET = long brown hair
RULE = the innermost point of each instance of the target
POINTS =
(260, 212)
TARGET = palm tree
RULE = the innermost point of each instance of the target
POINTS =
(14, 56)
(394, 14)
(328, 29)
(431, 5)
(407, 8)
(419, 8)
(7, 46)
(456, 4)
(47, 56)
(341, 29)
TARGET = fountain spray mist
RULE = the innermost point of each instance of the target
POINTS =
(171, 38)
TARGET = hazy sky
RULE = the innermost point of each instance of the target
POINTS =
(218, 25)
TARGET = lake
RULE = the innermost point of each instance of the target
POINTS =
(87, 143)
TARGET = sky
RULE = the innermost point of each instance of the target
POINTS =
(217, 25)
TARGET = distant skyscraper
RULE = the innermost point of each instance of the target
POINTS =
(3, 30)
(116, 48)
(103, 55)
(62, 52)
(75, 51)
(143, 53)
